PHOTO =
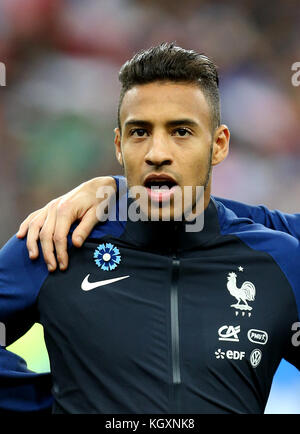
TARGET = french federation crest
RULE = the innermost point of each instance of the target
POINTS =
(107, 256)
(242, 294)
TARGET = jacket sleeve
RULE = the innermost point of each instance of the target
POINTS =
(21, 390)
(273, 219)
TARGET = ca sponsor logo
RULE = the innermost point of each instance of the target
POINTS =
(255, 357)
(257, 336)
(229, 354)
(229, 333)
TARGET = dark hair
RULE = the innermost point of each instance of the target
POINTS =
(168, 62)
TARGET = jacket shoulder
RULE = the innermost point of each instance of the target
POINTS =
(231, 224)
(282, 247)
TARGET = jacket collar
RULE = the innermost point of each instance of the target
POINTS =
(171, 237)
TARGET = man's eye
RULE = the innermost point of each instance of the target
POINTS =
(138, 132)
(182, 132)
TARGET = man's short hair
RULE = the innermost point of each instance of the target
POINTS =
(168, 62)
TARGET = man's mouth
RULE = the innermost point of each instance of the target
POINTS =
(160, 188)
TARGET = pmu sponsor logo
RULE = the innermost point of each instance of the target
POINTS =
(257, 336)
(229, 333)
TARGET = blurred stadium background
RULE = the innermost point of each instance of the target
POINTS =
(58, 110)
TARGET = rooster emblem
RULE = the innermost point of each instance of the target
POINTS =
(243, 294)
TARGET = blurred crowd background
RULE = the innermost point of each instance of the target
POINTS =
(58, 110)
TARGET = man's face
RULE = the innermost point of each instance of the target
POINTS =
(167, 139)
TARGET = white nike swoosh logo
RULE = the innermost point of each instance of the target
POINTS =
(87, 286)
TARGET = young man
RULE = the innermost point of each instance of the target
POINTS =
(150, 318)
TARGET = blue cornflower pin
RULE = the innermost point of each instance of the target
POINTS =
(107, 256)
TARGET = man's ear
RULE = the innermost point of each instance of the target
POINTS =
(118, 146)
(220, 144)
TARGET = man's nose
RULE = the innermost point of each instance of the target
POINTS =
(159, 153)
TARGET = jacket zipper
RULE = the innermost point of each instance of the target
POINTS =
(176, 376)
(175, 345)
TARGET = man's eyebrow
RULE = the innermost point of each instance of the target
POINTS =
(172, 123)
(137, 123)
(177, 122)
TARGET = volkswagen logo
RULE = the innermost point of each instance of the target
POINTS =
(255, 357)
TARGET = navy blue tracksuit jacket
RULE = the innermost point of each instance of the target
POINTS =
(149, 318)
